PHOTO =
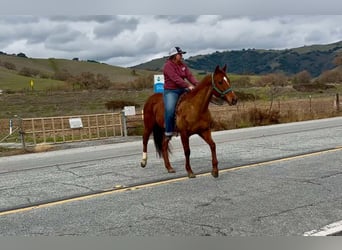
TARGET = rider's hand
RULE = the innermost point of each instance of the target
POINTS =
(191, 87)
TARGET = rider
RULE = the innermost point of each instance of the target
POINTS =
(175, 72)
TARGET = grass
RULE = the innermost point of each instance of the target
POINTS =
(58, 103)
(9, 80)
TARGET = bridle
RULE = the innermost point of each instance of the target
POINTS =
(218, 91)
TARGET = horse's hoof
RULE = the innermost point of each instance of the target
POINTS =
(191, 175)
(143, 163)
(215, 174)
(171, 170)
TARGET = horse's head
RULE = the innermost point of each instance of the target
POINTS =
(222, 87)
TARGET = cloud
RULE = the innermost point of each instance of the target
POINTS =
(115, 26)
(127, 40)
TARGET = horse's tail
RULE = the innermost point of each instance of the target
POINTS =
(158, 135)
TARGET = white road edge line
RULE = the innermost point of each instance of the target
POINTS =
(326, 230)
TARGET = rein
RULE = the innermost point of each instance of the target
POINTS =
(220, 92)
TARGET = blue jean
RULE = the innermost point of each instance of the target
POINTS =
(171, 97)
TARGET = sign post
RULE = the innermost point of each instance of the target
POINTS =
(127, 111)
(31, 85)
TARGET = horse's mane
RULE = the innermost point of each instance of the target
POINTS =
(199, 86)
(189, 95)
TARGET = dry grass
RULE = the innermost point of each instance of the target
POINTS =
(249, 114)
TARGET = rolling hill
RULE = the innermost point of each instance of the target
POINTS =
(315, 59)
(17, 71)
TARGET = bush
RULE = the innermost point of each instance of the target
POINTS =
(142, 83)
(330, 76)
(88, 80)
(301, 77)
(243, 81)
(119, 104)
(9, 65)
(272, 80)
(62, 75)
(242, 96)
(25, 71)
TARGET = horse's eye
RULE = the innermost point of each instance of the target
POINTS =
(220, 82)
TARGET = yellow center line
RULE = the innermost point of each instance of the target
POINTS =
(120, 189)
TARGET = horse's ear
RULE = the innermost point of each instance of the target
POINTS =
(217, 68)
(224, 68)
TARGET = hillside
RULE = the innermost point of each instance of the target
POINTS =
(16, 72)
(315, 59)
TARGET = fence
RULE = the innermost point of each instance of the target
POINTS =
(69, 128)
(99, 126)
(256, 113)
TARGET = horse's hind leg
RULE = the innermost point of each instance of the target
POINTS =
(165, 152)
(207, 137)
(186, 147)
(146, 136)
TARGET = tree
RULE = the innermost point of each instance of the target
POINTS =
(21, 54)
(338, 60)
(301, 77)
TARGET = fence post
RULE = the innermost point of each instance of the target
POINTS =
(21, 131)
(10, 126)
(337, 102)
(310, 103)
(124, 122)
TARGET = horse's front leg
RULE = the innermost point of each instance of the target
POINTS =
(206, 135)
(186, 147)
(165, 152)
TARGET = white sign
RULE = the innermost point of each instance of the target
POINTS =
(158, 83)
(75, 123)
(129, 110)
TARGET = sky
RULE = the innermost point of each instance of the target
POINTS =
(127, 37)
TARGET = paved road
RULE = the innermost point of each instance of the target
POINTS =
(274, 180)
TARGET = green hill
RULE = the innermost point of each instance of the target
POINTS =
(16, 72)
(315, 59)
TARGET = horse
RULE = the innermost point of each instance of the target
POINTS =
(192, 117)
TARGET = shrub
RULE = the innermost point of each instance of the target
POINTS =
(9, 65)
(25, 71)
(330, 76)
(301, 77)
(119, 104)
(62, 75)
(142, 83)
(258, 117)
(277, 79)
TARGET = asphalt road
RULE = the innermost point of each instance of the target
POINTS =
(274, 180)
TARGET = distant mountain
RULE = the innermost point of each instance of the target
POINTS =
(315, 59)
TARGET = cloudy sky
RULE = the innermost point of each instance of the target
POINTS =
(130, 39)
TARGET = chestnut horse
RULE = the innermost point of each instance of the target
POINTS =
(192, 117)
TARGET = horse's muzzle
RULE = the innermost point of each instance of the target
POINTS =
(234, 101)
